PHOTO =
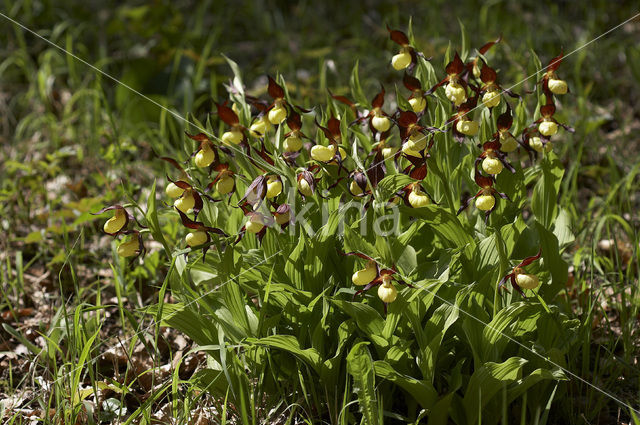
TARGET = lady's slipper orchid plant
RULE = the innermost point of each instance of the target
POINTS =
(547, 124)
(456, 88)
(372, 276)
(200, 236)
(282, 215)
(256, 223)
(485, 199)
(293, 139)
(189, 200)
(172, 190)
(472, 66)
(508, 142)
(359, 185)
(462, 123)
(224, 182)
(235, 135)
(118, 223)
(407, 57)
(279, 108)
(132, 248)
(493, 159)
(306, 182)
(414, 136)
(417, 100)
(520, 279)
(416, 196)
(551, 84)
(204, 156)
(378, 120)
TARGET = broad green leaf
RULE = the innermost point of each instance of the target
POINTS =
(553, 261)
(360, 367)
(423, 392)
(487, 381)
(544, 203)
(391, 184)
(443, 317)
(495, 335)
(562, 229)
(293, 265)
(444, 224)
(290, 344)
(187, 321)
(236, 304)
(366, 317)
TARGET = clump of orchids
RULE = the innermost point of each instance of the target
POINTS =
(402, 142)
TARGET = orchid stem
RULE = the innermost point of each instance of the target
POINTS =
(504, 265)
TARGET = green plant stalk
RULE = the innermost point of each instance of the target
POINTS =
(504, 265)
(447, 187)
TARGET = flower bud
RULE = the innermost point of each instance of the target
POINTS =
(467, 127)
(507, 142)
(527, 281)
(401, 60)
(292, 144)
(185, 202)
(173, 191)
(274, 187)
(233, 137)
(485, 202)
(115, 223)
(260, 127)
(387, 292)
(225, 184)
(455, 93)
(417, 198)
(129, 249)
(255, 224)
(322, 153)
(366, 275)
(492, 165)
(196, 238)
(557, 86)
(418, 104)
(548, 128)
(205, 157)
(304, 187)
(491, 98)
(381, 123)
(277, 114)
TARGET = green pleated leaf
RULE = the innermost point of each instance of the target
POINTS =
(422, 391)
(360, 367)
(544, 202)
(391, 184)
(487, 381)
(444, 224)
(291, 345)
